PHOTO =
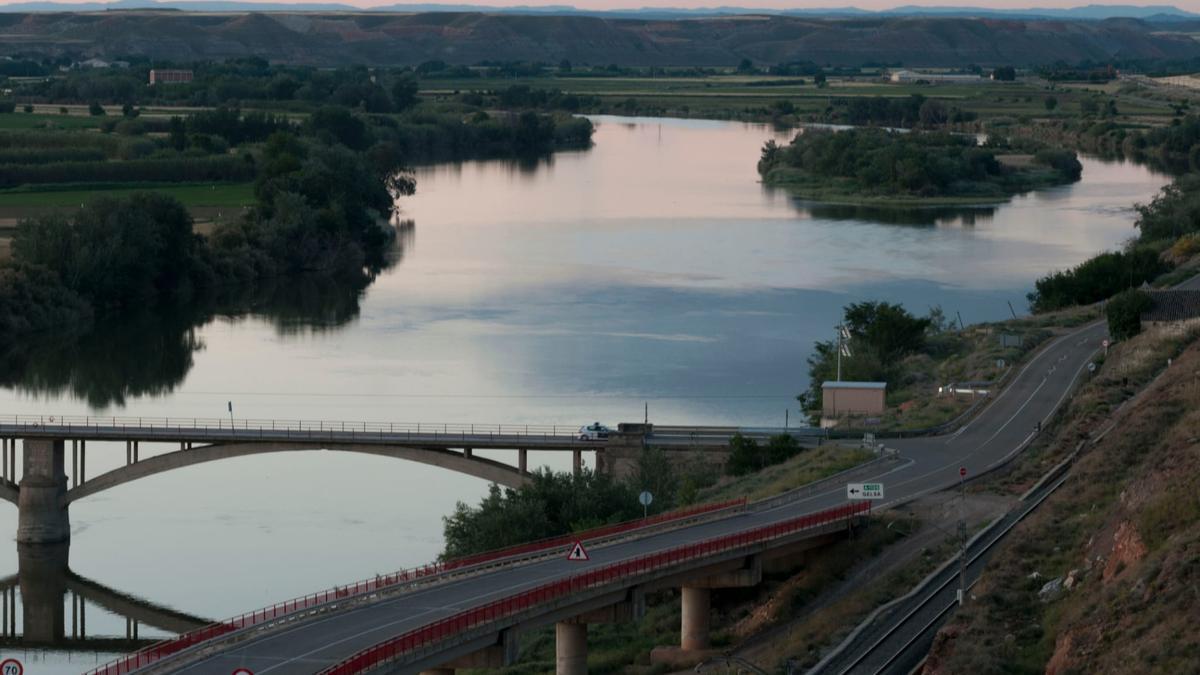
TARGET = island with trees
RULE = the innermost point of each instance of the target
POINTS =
(880, 166)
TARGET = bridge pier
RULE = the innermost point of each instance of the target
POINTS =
(695, 599)
(523, 460)
(570, 647)
(577, 462)
(696, 604)
(41, 516)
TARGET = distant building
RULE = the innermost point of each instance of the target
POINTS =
(910, 76)
(852, 399)
(1172, 307)
(170, 76)
(93, 63)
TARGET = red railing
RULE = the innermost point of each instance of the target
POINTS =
(506, 607)
(166, 648)
(596, 533)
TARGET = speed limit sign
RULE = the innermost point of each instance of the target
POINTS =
(239, 671)
(11, 667)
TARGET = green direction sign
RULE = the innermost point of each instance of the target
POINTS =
(864, 491)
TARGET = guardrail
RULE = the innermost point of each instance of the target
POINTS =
(507, 607)
(157, 652)
(595, 533)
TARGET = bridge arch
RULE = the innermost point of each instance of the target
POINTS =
(487, 469)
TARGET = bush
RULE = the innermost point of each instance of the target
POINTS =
(551, 504)
(1096, 279)
(1124, 313)
(7, 106)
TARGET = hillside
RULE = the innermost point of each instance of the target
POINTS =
(1104, 574)
(468, 38)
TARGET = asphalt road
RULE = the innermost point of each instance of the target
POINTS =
(998, 433)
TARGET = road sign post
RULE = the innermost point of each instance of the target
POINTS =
(645, 499)
(872, 491)
(578, 553)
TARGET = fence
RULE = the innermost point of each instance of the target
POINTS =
(167, 648)
(463, 621)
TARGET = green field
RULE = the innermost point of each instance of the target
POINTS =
(222, 195)
(20, 120)
(741, 96)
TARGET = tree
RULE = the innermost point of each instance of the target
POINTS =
(128, 110)
(95, 109)
(888, 330)
(1050, 102)
(1124, 313)
(746, 67)
(28, 108)
(933, 113)
(819, 80)
(404, 92)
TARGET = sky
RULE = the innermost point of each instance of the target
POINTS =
(1188, 5)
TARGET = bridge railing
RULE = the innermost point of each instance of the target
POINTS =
(461, 622)
(161, 650)
(225, 425)
(605, 531)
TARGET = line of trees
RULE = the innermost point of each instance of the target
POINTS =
(880, 162)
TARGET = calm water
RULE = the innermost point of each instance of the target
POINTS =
(652, 270)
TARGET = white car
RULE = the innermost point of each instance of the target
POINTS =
(593, 432)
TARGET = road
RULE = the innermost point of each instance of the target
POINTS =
(995, 436)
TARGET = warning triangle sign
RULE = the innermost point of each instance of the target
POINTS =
(577, 552)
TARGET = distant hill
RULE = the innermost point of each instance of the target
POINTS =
(328, 38)
(1155, 13)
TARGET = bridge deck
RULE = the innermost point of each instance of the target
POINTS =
(1000, 431)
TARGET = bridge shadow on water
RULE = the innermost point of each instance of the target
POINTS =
(150, 351)
(34, 611)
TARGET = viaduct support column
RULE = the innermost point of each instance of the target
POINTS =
(523, 460)
(570, 642)
(696, 609)
(41, 518)
(577, 461)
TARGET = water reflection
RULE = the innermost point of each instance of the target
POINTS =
(44, 582)
(964, 216)
(150, 352)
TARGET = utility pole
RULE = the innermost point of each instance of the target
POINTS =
(843, 347)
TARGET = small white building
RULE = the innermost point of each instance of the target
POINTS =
(851, 399)
(911, 76)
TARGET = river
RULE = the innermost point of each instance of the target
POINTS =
(650, 274)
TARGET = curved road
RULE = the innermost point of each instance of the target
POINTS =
(997, 434)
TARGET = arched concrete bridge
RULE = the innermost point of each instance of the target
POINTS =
(43, 497)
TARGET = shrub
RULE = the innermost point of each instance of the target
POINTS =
(1124, 313)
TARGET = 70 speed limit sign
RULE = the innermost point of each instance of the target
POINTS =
(11, 667)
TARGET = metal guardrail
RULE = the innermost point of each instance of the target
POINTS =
(427, 573)
(492, 612)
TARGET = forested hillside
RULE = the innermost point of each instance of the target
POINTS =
(469, 38)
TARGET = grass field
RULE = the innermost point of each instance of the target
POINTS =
(22, 120)
(223, 195)
(727, 96)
